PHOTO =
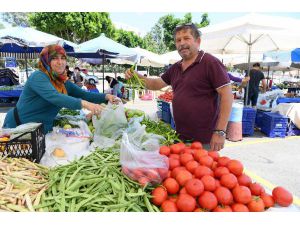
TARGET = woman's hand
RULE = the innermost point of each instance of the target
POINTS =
(95, 109)
(112, 99)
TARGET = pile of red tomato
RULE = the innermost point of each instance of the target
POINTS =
(167, 96)
(200, 181)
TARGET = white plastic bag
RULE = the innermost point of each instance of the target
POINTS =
(110, 126)
(142, 166)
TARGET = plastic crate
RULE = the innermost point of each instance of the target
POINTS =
(248, 128)
(274, 133)
(287, 100)
(165, 106)
(259, 118)
(271, 121)
(159, 114)
(159, 105)
(30, 145)
(249, 113)
(166, 116)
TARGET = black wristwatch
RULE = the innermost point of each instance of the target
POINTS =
(222, 133)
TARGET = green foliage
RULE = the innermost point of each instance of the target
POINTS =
(128, 38)
(77, 27)
(2, 26)
(160, 39)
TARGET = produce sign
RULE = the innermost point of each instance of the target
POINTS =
(94, 184)
(167, 96)
(22, 184)
(200, 181)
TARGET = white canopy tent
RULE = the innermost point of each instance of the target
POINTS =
(253, 33)
(144, 58)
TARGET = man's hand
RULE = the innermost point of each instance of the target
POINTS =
(217, 142)
(128, 74)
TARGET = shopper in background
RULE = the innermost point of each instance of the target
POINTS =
(202, 91)
(48, 90)
(115, 86)
(256, 76)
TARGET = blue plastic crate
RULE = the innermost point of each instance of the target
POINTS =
(248, 128)
(166, 116)
(259, 118)
(165, 106)
(274, 133)
(287, 100)
(271, 121)
(159, 114)
(249, 113)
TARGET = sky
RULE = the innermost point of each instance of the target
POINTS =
(143, 22)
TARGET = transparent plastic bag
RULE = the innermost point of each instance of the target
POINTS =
(145, 167)
(111, 123)
(138, 136)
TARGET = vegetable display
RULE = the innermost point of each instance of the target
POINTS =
(94, 184)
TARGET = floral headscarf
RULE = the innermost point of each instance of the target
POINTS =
(46, 55)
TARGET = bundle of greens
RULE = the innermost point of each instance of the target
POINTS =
(136, 82)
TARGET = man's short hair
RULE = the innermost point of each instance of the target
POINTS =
(256, 64)
(188, 26)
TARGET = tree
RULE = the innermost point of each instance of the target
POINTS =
(16, 18)
(77, 27)
(162, 32)
(128, 38)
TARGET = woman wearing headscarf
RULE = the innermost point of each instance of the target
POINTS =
(48, 89)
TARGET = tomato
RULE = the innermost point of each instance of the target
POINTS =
(219, 171)
(235, 167)
(218, 183)
(194, 187)
(143, 181)
(208, 200)
(183, 191)
(176, 170)
(173, 163)
(164, 150)
(241, 194)
(171, 185)
(185, 158)
(163, 173)
(268, 200)
(153, 175)
(188, 150)
(177, 148)
(186, 203)
(138, 173)
(282, 197)
(159, 195)
(191, 166)
(256, 205)
(222, 161)
(223, 196)
(196, 145)
(222, 208)
(214, 165)
(169, 206)
(125, 170)
(244, 180)
(228, 180)
(173, 198)
(183, 176)
(199, 153)
(200, 171)
(206, 161)
(174, 156)
(238, 207)
(256, 189)
(214, 154)
(209, 183)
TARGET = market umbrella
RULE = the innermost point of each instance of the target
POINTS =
(28, 40)
(253, 33)
(104, 47)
